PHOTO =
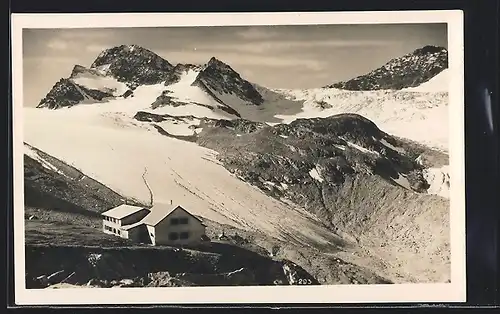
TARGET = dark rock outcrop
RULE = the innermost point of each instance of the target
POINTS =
(221, 78)
(67, 93)
(134, 65)
(409, 70)
(63, 94)
(156, 267)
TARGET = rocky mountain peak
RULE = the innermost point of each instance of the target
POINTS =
(214, 62)
(220, 78)
(133, 64)
(109, 55)
(66, 93)
(429, 49)
(406, 71)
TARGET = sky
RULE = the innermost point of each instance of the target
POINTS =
(298, 56)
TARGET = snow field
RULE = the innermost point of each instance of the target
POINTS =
(193, 96)
(102, 83)
(422, 117)
(184, 127)
(439, 83)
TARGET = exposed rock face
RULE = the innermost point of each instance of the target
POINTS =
(80, 70)
(165, 100)
(63, 94)
(409, 70)
(133, 64)
(221, 78)
(66, 93)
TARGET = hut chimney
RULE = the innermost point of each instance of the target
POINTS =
(170, 202)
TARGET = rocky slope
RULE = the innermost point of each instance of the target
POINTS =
(366, 185)
(158, 267)
(407, 71)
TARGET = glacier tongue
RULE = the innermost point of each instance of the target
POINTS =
(109, 147)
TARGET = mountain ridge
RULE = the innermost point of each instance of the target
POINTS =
(409, 70)
(117, 71)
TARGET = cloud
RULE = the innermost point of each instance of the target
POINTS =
(256, 33)
(96, 48)
(289, 45)
(241, 59)
(86, 33)
(57, 44)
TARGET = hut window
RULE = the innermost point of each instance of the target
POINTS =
(174, 221)
(173, 236)
(184, 235)
(183, 221)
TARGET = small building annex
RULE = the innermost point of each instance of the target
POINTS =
(160, 225)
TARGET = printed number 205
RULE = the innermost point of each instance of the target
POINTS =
(305, 281)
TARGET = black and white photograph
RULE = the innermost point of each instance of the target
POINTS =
(239, 156)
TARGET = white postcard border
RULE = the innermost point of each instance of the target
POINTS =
(449, 292)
